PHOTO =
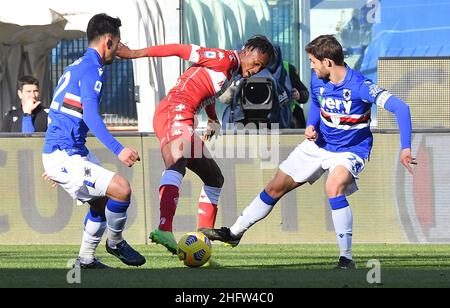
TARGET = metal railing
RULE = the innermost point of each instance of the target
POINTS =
(117, 105)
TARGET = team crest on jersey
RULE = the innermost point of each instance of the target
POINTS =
(210, 54)
(336, 120)
(347, 94)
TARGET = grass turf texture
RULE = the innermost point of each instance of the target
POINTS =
(246, 266)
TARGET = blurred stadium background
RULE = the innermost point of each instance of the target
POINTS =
(385, 40)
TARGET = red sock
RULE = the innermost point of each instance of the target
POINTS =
(206, 215)
(168, 199)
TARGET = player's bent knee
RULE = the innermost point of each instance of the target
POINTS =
(275, 191)
(334, 189)
(119, 188)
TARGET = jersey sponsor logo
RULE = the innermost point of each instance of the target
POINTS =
(210, 54)
(98, 86)
(336, 105)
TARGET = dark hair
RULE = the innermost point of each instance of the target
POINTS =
(27, 79)
(101, 24)
(326, 46)
(262, 44)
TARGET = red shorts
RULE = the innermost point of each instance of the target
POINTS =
(173, 120)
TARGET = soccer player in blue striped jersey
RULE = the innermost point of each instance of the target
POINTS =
(338, 140)
(67, 161)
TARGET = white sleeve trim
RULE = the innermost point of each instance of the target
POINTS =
(195, 56)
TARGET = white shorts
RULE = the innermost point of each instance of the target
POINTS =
(82, 177)
(308, 162)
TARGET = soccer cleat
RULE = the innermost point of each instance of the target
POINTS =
(223, 234)
(345, 264)
(126, 254)
(166, 239)
(96, 264)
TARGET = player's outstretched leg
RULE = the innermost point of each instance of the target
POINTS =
(223, 234)
(260, 207)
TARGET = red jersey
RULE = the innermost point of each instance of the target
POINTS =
(208, 77)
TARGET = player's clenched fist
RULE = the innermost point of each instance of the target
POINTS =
(129, 156)
(311, 133)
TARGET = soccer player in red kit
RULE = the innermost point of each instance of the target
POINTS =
(173, 122)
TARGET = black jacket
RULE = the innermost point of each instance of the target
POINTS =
(12, 121)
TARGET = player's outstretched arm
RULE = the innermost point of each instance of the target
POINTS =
(180, 50)
(125, 52)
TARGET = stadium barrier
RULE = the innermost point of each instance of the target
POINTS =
(390, 207)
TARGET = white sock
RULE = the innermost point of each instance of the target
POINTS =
(116, 225)
(343, 222)
(254, 212)
(92, 236)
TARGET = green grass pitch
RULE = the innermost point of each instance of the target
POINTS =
(246, 266)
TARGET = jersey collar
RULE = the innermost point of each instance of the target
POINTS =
(93, 53)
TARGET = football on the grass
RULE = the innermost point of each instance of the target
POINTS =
(194, 249)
